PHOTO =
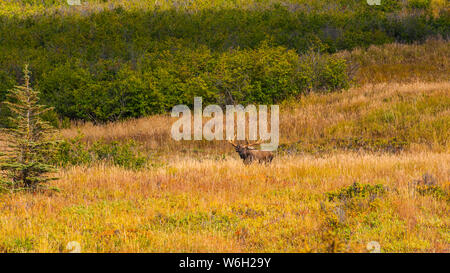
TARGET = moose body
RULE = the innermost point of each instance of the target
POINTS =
(248, 154)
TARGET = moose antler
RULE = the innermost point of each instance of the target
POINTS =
(247, 145)
(254, 143)
(233, 141)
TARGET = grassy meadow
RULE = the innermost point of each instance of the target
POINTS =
(364, 150)
(202, 198)
(192, 205)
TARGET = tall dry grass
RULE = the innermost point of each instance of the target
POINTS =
(428, 61)
(189, 205)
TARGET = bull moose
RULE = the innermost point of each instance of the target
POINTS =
(249, 154)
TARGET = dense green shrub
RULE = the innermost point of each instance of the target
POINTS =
(76, 152)
(419, 4)
(263, 75)
(71, 152)
(116, 62)
(357, 190)
(120, 154)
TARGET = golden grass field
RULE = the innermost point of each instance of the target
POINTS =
(194, 205)
(198, 197)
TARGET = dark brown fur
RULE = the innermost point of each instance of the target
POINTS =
(248, 154)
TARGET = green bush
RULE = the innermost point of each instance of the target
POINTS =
(434, 191)
(71, 152)
(428, 186)
(76, 152)
(263, 75)
(119, 154)
(357, 190)
(419, 4)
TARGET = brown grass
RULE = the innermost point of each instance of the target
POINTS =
(223, 206)
(428, 61)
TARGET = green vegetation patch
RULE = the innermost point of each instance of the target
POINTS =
(357, 190)
(109, 60)
(428, 186)
(75, 152)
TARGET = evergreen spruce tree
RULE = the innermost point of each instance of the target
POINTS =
(23, 164)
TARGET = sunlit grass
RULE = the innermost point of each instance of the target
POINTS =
(221, 206)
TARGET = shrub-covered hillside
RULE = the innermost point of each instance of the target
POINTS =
(107, 60)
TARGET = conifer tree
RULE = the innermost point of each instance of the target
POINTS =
(23, 164)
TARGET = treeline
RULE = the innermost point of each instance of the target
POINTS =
(116, 62)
